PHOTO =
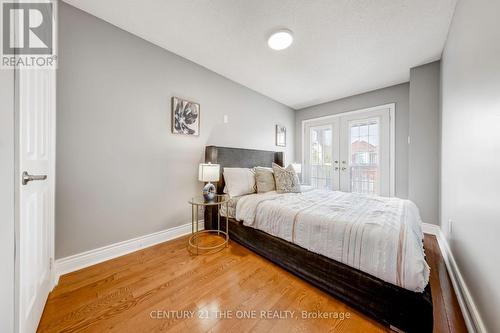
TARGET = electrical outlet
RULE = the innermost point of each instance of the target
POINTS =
(450, 226)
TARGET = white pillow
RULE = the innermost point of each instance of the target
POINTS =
(239, 181)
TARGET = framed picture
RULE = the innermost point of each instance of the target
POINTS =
(280, 136)
(185, 117)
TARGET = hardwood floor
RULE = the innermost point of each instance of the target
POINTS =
(447, 314)
(137, 292)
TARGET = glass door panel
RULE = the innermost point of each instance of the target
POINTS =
(364, 165)
(321, 154)
(321, 159)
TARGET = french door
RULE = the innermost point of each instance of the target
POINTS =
(322, 154)
(351, 152)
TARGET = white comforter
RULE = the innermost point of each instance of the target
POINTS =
(380, 236)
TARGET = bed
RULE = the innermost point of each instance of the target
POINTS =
(399, 304)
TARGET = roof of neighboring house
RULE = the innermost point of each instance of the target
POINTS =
(362, 146)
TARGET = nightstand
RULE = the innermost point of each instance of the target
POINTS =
(194, 245)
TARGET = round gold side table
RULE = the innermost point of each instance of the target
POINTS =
(193, 243)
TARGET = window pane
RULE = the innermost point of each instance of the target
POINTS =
(321, 157)
(373, 129)
(354, 131)
(363, 130)
(373, 140)
(364, 166)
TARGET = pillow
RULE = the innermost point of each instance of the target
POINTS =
(287, 180)
(239, 181)
(264, 178)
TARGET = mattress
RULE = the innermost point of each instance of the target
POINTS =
(230, 211)
(380, 236)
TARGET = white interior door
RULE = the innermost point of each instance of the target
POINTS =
(35, 95)
(351, 152)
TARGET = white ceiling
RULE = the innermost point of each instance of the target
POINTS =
(341, 47)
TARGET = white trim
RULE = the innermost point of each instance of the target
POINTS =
(431, 229)
(467, 306)
(92, 257)
(392, 137)
(52, 180)
(340, 114)
(392, 153)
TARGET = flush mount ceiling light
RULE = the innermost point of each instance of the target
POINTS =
(280, 40)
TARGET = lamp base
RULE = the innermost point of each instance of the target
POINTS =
(209, 192)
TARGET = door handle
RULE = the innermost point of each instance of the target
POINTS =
(28, 178)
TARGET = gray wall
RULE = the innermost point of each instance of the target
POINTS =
(470, 187)
(7, 200)
(423, 165)
(120, 171)
(398, 94)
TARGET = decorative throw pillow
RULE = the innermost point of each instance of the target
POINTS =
(264, 178)
(287, 180)
(239, 181)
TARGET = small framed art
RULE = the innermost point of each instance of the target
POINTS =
(280, 136)
(185, 117)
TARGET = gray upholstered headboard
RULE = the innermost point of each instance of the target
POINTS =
(240, 158)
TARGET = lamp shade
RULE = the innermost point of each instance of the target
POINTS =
(208, 172)
(297, 167)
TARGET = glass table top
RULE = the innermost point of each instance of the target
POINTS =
(200, 200)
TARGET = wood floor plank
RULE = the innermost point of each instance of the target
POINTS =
(447, 314)
(122, 295)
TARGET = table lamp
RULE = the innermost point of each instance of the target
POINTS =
(208, 172)
(297, 167)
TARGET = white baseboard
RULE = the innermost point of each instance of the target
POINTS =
(467, 306)
(92, 257)
(431, 229)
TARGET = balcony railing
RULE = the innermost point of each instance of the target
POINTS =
(321, 176)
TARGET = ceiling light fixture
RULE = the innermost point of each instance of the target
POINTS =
(280, 40)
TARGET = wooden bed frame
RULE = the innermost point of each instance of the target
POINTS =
(393, 306)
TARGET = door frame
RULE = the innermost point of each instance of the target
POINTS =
(7, 199)
(392, 136)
